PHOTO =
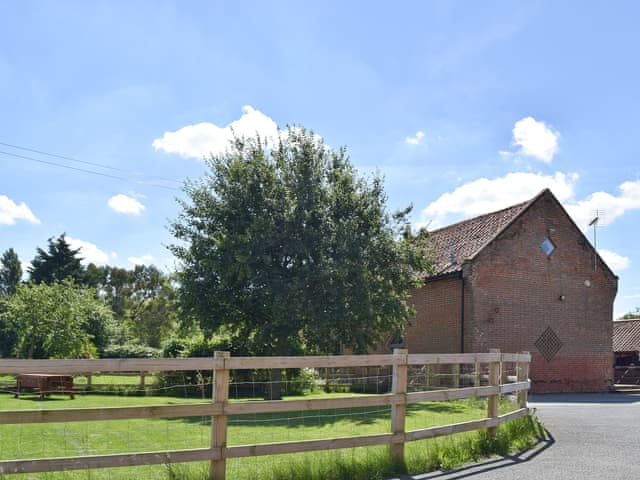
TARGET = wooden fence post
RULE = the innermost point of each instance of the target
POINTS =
(477, 378)
(494, 381)
(456, 375)
(399, 410)
(428, 371)
(327, 381)
(504, 378)
(523, 376)
(219, 422)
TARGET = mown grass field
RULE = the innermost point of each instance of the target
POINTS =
(119, 436)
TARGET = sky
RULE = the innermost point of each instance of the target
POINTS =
(463, 107)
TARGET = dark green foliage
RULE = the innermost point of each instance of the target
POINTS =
(199, 346)
(152, 314)
(131, 350)
(57, 263)
(192, 383)
(244, 383)
(291, 251)
(142, 300)
(8, 335)
(114, 285)
(10, 273)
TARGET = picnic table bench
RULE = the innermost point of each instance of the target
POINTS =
(44, 383)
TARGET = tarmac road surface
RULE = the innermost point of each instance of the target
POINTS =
(592, 436)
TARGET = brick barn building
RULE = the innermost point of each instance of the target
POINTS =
(626, 349)
(626, 342)
(521, 279)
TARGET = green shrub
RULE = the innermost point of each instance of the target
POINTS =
(131, 350)
(243, 383)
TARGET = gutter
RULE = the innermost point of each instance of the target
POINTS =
(442, 276)
(461, 313)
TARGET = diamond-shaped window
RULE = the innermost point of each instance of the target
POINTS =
(548, 344)
(547, 246)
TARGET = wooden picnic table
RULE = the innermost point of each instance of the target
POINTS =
(44, 383)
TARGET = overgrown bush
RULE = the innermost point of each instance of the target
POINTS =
(131, 350)
(243, 383)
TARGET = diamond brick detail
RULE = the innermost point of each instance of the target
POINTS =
(548, 344)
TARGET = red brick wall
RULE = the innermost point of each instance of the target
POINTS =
(436, 326)
(571, 373)
(516, 297)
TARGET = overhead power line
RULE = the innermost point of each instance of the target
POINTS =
(89, 171)
(94, 164)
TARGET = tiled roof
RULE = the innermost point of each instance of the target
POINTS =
(626, 336)
(463, 240)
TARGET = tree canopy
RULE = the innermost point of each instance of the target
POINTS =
(142, 299)
(10, 272)
(288, 248)
(57, 263)
(60, 320)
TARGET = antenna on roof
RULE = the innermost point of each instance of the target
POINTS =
(595, 223)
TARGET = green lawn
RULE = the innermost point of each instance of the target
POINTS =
(119, 436)
(96, 380)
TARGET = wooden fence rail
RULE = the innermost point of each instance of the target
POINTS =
(220, 407)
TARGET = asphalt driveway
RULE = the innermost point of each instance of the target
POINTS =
(592, 436)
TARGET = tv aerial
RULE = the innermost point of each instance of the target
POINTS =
(597, 221)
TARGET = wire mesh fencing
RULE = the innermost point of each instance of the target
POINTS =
(242, 416)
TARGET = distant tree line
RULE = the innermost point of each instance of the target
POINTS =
(65, 309)
(635, 315)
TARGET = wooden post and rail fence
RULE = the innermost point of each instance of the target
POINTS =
(220, 408)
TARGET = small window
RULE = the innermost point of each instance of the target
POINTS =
(547, 246)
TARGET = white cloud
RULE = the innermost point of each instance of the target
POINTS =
(143, 260)
(89, 252)
(202, 139)
(616, 262)
(416, 139)
(25, 266)
(10, 212)
(606, 206)
(535, 139)
(488, 195)
(124, 204)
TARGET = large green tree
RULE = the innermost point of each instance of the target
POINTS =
(10, 272)
(57, 263)
(58, 320)
(289, 249)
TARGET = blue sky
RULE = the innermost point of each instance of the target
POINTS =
(464, 107)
